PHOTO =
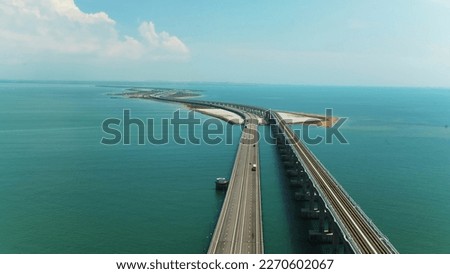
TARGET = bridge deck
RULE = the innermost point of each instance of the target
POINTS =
(239, 228)
(358, 229)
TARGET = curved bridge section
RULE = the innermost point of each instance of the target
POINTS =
(334, 203)
(239, 229)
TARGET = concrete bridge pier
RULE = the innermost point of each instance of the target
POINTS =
(302, 175)
(323, 231)
(310, 210)
(339, 245)
(299, 182)
(280, 140)
(306, 186)
(288, 158)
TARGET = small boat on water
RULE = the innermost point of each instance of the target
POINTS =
(221, 183)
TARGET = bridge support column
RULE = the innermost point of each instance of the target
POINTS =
(311, 210)
(305, 190)
(337, 238)
(323, 234)
(322, 213)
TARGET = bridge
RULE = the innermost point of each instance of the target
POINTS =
(341, 221)
(239, 228)
(359, 231)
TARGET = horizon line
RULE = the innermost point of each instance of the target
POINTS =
(218, 82)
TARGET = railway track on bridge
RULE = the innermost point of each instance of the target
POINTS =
(362, 234)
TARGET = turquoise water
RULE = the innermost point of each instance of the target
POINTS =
(61, 191)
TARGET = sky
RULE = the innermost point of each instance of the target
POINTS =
(371, 43)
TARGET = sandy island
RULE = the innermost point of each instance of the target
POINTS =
(307, 118)
(222, 114)
(226, 115)
(288, 117)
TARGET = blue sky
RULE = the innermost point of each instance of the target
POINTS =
(387, 43)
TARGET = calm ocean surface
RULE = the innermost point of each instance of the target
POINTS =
(61, 191)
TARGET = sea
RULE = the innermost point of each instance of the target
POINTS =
(63, 191)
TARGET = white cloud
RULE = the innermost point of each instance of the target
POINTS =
(67, 8)
(148, 31)
(161, 40)
(41, 28)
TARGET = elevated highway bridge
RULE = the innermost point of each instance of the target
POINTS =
(239, 228)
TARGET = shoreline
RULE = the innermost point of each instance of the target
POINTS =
(173, 95)
(291, 117)
(224, 115)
